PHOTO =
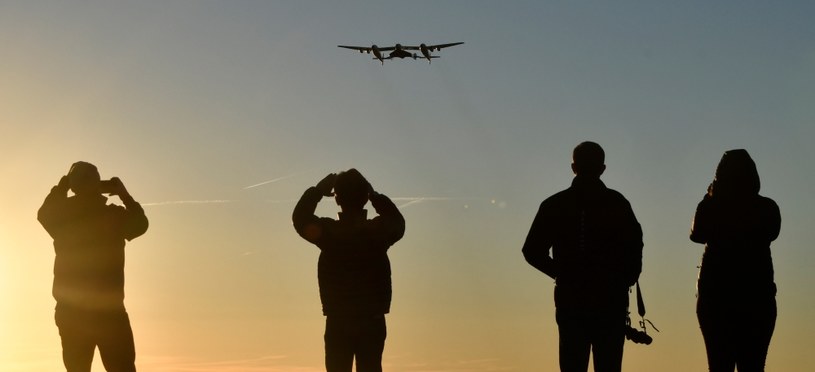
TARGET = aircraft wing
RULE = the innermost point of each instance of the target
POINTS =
(361, 49)
(440, 46)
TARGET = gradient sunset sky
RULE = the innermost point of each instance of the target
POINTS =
(217, 115)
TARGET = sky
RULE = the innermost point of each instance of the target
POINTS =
(217, 115)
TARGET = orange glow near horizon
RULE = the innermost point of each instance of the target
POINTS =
(195, 105)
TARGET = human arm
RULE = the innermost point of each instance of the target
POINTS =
(773, 226)
(393, 223)
(50, 213)
(135, 221)
(700, 226)
(306, 223)
(538, 243)
(633, 245)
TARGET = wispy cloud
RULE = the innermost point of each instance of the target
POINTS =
(173, 202)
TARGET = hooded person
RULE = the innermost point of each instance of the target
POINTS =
(736, 289)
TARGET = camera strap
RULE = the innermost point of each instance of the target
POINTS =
(640, 302)
(641, 310)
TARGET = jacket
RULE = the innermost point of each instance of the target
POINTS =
(89, 240)
(737, 232)
(596, 245)
(353, 269)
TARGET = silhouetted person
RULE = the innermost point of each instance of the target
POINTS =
(89, 240)
(736, 291)
(353, 270)
(596, 245)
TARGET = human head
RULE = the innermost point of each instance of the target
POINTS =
(83, 178)
(736, 174)
(351, 190)
(588, 159)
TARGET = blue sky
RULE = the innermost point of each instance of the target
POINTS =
(194, 101)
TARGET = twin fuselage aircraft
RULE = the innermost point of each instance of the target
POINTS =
(401, 51)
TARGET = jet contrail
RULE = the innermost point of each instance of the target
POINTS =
(222, 201)
(280, 201)
(271, 181)
(410, 200)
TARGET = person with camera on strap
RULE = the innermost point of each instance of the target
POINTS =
(596, 256)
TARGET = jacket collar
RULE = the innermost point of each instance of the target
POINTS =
(91, 199)
(587, 184)
(353, 216)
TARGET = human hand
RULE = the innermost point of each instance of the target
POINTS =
(371, 192)
(326, 185)
(117, 187)
(64, 183)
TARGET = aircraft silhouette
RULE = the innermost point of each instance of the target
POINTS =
(401, 51)
(428, 49)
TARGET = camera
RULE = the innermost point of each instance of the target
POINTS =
(106, 186)
(637, 336)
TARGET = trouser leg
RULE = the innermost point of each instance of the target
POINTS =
(608, 339)
(716, 331)
(339, 353)
(116, 346)
(77, 340)
(574, 343)
(371, 344)
(755, 332)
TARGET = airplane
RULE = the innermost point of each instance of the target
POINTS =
(427, 49)
(399, 51)
(395, 51)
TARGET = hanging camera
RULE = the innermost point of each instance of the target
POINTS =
(637, 336)
(633, 334)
